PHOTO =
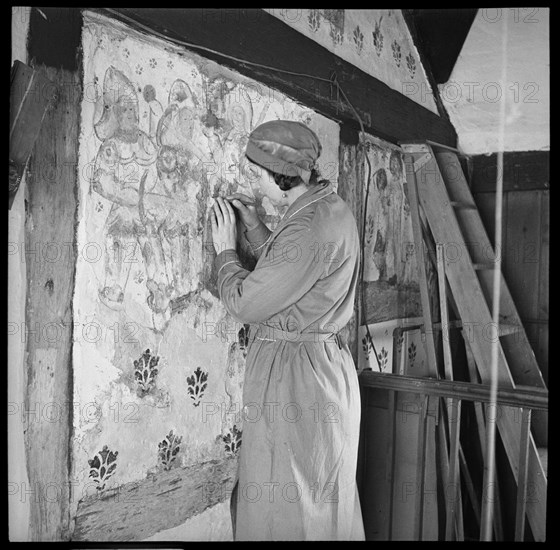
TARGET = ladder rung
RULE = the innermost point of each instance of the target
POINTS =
(463, 205)
(484, 266)
(509, 329)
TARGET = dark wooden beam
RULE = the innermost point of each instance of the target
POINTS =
(140, 509)
(50, 265)
(522, 396)
(255, 36)
(523, 171)
(50, 257)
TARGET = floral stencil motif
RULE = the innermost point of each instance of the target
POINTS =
(102, 466)
(411, 64)
(412, 353)
(232, 441)
(383, 357)
(168, 449)
(367, 345)
(153, 63)
(400, 341)
(358, 37)
(145, 372)
(313, 20)
(378, 38)
(370, 228)
(197, 384)
(397, 55)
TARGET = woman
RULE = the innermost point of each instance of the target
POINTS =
(301, 414)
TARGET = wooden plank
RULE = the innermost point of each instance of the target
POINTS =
(469, 484)
(453, 478)
(128, 512)
(448, 366)
(542, 312)
(535, 398)
(480, 416)
(521, 505)
(390, 468)
(523, 171)
(234, 32)
(49, 246)
(444, 463)
(418, 528)
(420, 262)
(30, 95)
(524, 246)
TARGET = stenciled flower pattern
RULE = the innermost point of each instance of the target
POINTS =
(197, 385)
(397, 55)
(378, 37)
(367, 345)
(383, 358)
(102, 466)
(412, 353)
(358, 37)
(370, 228)
(168, 449)
(145, 372)
(400, 341)
(313, 20)
(232, 441)
(411, 64)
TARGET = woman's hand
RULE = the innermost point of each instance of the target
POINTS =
(224, 228)
(246, 208)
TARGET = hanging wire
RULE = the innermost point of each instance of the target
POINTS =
(340, 91)
(489, 467)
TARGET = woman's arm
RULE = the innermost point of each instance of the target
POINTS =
(257, 238)
(287, 272)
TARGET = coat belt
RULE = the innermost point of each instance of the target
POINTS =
(273, 334)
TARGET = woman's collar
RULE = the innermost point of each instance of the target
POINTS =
(315, 192)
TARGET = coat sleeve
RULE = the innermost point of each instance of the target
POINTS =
(257, 238)
(287, 271)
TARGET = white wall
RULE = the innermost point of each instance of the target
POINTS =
(474, 93)
(18, 484)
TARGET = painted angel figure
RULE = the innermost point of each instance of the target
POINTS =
(171, 207)
(124, 170)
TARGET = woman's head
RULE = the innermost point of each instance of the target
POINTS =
(285, 153)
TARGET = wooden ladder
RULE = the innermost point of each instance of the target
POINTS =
(435, 175)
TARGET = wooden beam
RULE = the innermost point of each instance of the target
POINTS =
(30, 95)
(255, 36)
(534, 398)
(523, 171)
(139, 509)
(50, 261)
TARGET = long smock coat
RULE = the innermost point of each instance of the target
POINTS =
(301, 413)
